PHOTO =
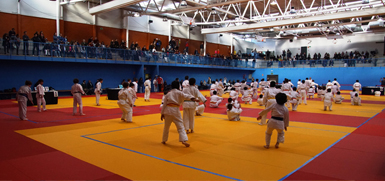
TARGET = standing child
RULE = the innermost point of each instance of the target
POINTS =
(215, 100)
(356, 100)
(335, 89)
(338, 99)
(328, 100)
(233, 113)
(22, 96)
(40, 96)
(357, 86)
(131, 89)
(246, 96)
(279, 119)
(234, 94)
(255, 89)
(213, 88)
(125, 103)
(77, 92)
(189, 107)
(147, 89)
(310, 92)
(170, 112)
(98, 91)
(135, 82)
(302, 90)
(269, 99)
(294, 96)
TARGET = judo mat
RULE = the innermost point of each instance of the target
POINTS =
(346, 143)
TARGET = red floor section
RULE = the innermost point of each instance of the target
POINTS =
(359, 156)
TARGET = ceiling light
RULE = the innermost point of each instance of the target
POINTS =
(292, 10)
(338, 34)
(183, 3)
(271, 29)
(213, 11)
(136, 14)
(274, 2)
(295, 38)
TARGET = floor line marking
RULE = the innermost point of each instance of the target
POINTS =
(17, 117)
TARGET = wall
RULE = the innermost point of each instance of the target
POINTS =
(59, 75)
(368, 76)
(360, 42)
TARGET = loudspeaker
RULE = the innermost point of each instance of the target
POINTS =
(150, 21)
(291, 40)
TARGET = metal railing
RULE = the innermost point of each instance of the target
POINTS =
(19, 50)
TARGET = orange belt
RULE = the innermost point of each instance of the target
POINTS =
(173, 105)
(272, 98)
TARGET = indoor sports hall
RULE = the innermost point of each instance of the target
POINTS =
(106, 43)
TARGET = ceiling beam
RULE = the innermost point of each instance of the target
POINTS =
(112, 5)
(327, 17)
(197, 7)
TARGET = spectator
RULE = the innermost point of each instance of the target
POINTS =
(26, 44)
(36, 43)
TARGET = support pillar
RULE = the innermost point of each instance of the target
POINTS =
(204, 44)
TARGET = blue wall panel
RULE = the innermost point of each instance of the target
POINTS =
(60, 74)
(368, 76)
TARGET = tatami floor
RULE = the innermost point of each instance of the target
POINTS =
(346, 143)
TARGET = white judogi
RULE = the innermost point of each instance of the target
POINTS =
(313, 84)
(147, 89)
(338, 99)
(220, 88)
(200, 108)
(77, 92)
(40, 97)
(294, 96)
(170, 110)
(237, 87)
(155, 85)
(97, 91)
(291, 83)
(335, 82)
(234, 95)
(328, 99)
(299, 83)
(356, 101)
(353, 94)
(125, 102)
(161, 106)
(133, 95)
(321, 94)
(136, 90)
(234, 114)
(302, 91)
(243, 85)
(185, 84)
(268, 100)
(286, 88)
(262, 85)
(246, 97)
(357, 86)
(215, 101)
(335, 89)
(22, 96)
(190, 106)
(277, 111)
(260, 101)
(255, 90)
(213, 88)
(329, 85)
(310, 92)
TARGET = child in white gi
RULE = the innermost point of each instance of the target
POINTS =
(279, 119)
(338, 99)
(269, 99)
(310, 92)
(234, 94)
(215, 100)
(155, 85)
(260, 100)
(246, 97)
(147, 89)
(135, 82)
(125, 103)
(302, 90)
(335, 89)
(185, 83)
(357, 86)
(255, 89)
(199, 109)
(213, 88)
(233, 113)
(22, 96)
(98, 90)
(352, 94)
(237, 86)
(164, 95)
(40, 96)
(77, 92)
(131, 88)
(294, 96)
(170, 112)
(189, 107)
(328, 100)
(356, 100)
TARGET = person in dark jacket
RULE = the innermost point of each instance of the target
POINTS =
(36, 42)
(25, 43)
(6, 43)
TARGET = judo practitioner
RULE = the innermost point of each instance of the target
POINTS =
(22, 96)
(155, 85)
(170, 113)
(131, 89)
(311, 92)
(328, 100)
(77, 92)
(136, 90)
(279, 119)
(286, 88)
(335, 89)
(335, 82)
(147, 89)
(185, 83)
(269, 99)
(356, 100)
(237, 86)
(262, 85)
(255, 89)
(233, 113)
(40, 96)
(329, 85)
(189, 106)
(220, 88)
(215, 100)
(98, 91)
(338, 99)
(294, 96)
(125, 103)
(234, 94)
(260, 100)
(299, 82)
(246, 96)
(357, 86)
(302, 90)
(213, 88)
